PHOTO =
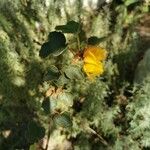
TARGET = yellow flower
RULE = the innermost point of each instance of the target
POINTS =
(93, 70)
(98, 52)
(92, 61)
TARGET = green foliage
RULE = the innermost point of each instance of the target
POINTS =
(143, 69)
(33, 147)
(126, 142)
(138, 109)
(129, 2)
(139, 115)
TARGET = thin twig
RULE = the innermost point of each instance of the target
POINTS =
(99, 136)
(49, 134)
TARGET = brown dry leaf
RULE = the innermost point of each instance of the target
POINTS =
(50, 91)
(57, 92)
(75, 61)
(77, 58)
(122, 100)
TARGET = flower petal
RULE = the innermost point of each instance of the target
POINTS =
(90, 58)
(98, 52)
(93, 69)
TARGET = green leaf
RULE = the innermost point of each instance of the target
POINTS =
(56, 44)
(94, 40)
(33, 147)
(129, 2)
(52, 74)
(65, 99)
(74, 72)
(59, 51)
(45, 50)
(70, 27)
(46, 105)
(49, 105)
(63, 120)
(34, 132)
(145, 8)
(53, 103)
(62, 80)
(57, 38)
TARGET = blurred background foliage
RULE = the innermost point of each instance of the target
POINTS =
(110, 113)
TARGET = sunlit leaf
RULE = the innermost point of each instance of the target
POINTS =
(73, 72)
(63, 120)
(129, 2)
(65, 99)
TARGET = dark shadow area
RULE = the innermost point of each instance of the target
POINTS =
(18, 107)
(17, 104)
